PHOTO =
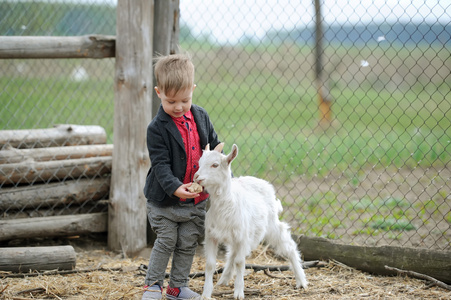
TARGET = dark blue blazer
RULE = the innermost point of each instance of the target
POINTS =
(167, 154)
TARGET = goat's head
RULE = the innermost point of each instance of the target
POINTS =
(214, 167)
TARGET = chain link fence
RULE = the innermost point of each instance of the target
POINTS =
(376, 172)
(66, 102)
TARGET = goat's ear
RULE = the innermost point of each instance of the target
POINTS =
(232, 154)
(207, 148)
(219, 147)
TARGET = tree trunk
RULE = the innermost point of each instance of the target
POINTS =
(25, 259)
(53, 226)
(61, 135)
(374, 259)
(132, 114)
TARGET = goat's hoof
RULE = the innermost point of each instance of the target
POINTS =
(239, 295)
(222, 283)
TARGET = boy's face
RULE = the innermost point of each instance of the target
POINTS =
(176, 105)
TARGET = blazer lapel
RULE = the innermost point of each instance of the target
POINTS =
(171, 127)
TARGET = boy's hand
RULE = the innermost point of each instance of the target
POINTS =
(183, 193)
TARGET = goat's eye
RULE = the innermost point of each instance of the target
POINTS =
(215, 165)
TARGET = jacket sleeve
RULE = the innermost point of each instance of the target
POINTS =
(160, 154)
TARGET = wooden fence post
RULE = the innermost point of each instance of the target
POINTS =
(166, 35)
(132, 113)
(165, 41)
(324, 96)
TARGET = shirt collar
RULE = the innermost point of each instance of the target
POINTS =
(186, 117)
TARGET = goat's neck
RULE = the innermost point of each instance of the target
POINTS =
(222, 191)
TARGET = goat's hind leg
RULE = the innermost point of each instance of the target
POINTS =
(235, 263)
(229, 268)
(280, 239)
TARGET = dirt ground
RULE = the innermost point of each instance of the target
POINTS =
(335, 207)
(103, 274)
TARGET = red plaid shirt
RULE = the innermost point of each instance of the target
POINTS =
(188, 129)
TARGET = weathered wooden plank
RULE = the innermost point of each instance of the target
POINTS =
(67, 225)
(60, 135)
(13, 155)
(373, 259)
(132, 113)
(88, 46)
(54, 194)
(25, 259)
(32, 172)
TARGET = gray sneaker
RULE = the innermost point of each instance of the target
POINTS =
(152, 292)
(181, 293)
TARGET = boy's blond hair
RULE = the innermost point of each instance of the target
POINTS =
(174, 73)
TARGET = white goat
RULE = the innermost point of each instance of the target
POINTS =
(244, 211)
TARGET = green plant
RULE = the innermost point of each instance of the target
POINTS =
(363, 205)
(392, 224)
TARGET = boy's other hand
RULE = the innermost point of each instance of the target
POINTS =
(183, 193)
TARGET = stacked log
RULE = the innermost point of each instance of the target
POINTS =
(58, 176)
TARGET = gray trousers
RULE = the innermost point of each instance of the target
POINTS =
(178, 229)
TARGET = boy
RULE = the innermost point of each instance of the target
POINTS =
(175, 139)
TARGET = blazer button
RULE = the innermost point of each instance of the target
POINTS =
(182, 157)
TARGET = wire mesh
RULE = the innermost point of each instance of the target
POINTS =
(375, 173)
(40, 176)
(366, 163)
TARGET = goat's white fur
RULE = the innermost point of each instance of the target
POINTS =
(243, 212)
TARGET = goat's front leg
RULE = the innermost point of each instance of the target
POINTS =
(240, 265)
(211, 247)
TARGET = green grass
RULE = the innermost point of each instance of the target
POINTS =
(327, 214)
(42, 103)
(372, 129)
(390, 224)
(274, 122)
(270, 112)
